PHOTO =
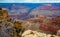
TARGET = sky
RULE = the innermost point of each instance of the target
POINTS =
(28, 1)
(8, 5)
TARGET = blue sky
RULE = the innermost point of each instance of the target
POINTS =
(8, 5)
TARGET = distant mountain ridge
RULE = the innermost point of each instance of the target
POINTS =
(45, 10)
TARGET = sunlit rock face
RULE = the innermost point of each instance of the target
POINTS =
(6, 29)
(4, 13)
(30, 33)
(58, 33)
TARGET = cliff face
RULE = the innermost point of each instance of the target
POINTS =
(46, 10)
(4, 13)
(47, 25)
(51, 25)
